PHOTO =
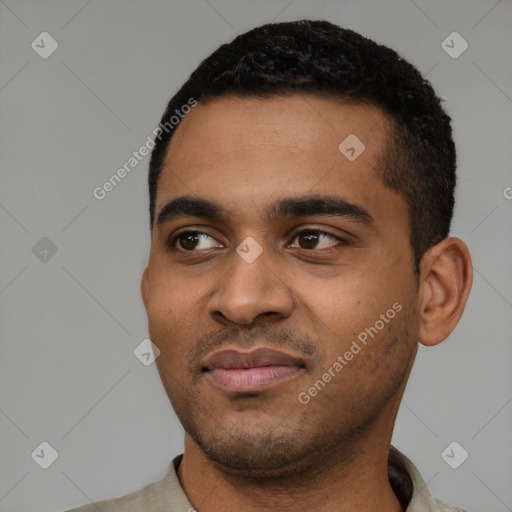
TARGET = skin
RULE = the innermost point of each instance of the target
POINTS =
(308, 297)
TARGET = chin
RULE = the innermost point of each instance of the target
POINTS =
(245, 461)
(259, 450)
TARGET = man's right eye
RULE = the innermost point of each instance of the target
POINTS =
(190, 241)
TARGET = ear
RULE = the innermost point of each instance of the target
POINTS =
(145, 287)
(446, 276)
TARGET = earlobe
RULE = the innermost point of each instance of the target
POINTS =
(145, 287)
(445, 283)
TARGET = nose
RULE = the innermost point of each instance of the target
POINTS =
(249, 290)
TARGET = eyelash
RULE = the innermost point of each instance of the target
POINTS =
(170, 244)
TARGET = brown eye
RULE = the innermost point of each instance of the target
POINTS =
(309, 239)
(188, 241)
(191, 241)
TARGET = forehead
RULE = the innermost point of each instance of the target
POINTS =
(252, 151)
(307, 123)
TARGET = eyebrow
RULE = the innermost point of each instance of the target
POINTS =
(288, 207)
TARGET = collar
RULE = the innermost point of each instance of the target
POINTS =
(405, 479)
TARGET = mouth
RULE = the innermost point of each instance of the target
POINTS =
(248, 372)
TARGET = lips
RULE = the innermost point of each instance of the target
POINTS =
(246, 372)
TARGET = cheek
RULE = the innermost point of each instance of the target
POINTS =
(162, 307)
(164, 311)
(176, 315)
(168, 291)
(357, 305)
(350, 296)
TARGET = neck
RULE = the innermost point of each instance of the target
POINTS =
(352, 477)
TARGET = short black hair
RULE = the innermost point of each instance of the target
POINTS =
(318, 57)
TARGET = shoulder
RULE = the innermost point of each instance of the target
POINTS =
(164, 495)
(414, 487)
(133, 502)
(444, 507)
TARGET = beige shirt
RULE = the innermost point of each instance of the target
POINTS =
(167, 495)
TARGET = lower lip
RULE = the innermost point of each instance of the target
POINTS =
(246, 380)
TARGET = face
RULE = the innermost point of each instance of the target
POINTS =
(281, 292)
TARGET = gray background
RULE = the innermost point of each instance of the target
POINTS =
(69, 325)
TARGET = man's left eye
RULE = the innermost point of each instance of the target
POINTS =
(309, 239)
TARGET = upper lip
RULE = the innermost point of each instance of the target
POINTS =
(263, 356)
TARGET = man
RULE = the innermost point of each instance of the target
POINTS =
(300, 210)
